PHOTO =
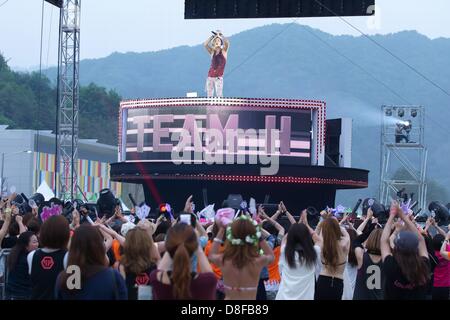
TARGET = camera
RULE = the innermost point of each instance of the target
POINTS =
(441, 213)
(88, 211)
(313, 216)
(84, 209)
(378, 209)
(106, 203)
(25, 204)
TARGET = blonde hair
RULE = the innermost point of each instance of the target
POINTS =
(138, 251)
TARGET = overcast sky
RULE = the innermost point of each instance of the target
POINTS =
(148, 25)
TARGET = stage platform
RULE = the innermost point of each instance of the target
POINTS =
(298, 186)
(149, 132)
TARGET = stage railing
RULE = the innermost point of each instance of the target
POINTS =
(3, 272)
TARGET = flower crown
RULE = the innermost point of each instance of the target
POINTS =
(250, 239)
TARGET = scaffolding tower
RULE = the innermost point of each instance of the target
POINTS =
(404, 155)
(68, 97)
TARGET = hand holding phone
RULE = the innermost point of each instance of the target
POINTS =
(185, 218)
(188, 205)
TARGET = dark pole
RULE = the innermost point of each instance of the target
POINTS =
(57, 104)
(3, 166)
(40, 86)
(74, 96)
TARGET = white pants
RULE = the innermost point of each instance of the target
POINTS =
(216, 83)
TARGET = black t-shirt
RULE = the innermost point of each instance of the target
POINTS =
(44, 271)
(364, 276)
(19, 283)
(133, 281)
(397, 287)
(9, 242)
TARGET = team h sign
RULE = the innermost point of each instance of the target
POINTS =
(230, 130)
(234, 9)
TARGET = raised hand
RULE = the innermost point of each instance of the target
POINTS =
(75, 217)
(19, 219)
(188, 205)
(34, 212)
(369, 213)
(15, 210)
(283, 207)
(103, 220)
(303, 217)
(280, 207)
(118, 212)
(395, 208)
(262, 213)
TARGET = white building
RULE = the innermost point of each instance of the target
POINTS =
(29, 158)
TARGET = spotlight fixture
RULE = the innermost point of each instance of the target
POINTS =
(403, 131)
(413, 113)
(401, 113)
(57, 3)
(388, 113)
(439, 212)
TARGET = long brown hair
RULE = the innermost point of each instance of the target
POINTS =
(181, 243)
(352, 260)
(241, 255)
(138, 251)
(412, 266)
(87, 251)
(331, 233)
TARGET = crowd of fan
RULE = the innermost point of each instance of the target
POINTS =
(246, 258)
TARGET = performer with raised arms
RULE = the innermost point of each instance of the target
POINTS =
(217, 46)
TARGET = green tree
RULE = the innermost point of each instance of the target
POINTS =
(28, 101)
(99, 111)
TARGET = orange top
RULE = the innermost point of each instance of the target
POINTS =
(215, 268)
(274, 273)
(116, 249)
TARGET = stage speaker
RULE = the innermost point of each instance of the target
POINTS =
(233, 9)
(106, 203)
(233, 201)
(57, 3)
(338, 143)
